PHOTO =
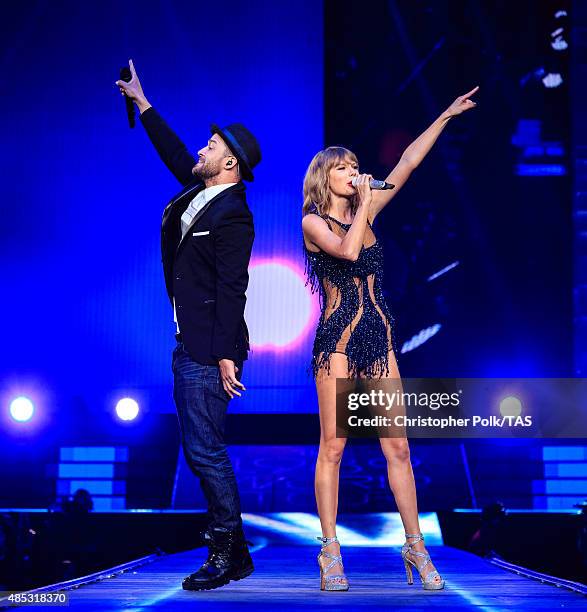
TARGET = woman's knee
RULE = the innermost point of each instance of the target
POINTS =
(396, 450)
(332, 450)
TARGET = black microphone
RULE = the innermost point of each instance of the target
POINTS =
(374, 183)
(126, 76)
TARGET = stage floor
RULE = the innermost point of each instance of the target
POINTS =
(286, 574)
(286, 578)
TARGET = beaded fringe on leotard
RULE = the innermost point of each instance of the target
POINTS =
(367, 347)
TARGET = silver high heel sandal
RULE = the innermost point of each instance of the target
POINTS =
(333, 582)
(428, 583)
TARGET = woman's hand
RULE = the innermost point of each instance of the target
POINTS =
(364, 189)
(462, 104)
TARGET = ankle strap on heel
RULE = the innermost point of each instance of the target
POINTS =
(418, 537)
(327, 541)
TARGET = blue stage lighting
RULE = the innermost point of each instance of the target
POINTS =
(22, 409)
(510, 406)
(127, 409)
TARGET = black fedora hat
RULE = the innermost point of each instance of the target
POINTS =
(243, 145)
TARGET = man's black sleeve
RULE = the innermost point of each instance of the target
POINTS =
(234, 242)
(171, 149)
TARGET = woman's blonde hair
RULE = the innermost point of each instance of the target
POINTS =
(316, 181)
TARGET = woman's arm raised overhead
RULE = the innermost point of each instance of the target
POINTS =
(417, 151)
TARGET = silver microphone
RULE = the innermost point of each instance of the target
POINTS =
(374, 183)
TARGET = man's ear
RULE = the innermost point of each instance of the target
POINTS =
(231, 162)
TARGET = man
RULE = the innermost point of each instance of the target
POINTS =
(206, 239)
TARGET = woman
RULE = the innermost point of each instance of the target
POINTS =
(354, 335)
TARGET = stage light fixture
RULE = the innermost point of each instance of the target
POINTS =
(127, 409)
(22, 409)
(422, 336)
(510, 406)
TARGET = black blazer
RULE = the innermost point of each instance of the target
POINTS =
(206, 271)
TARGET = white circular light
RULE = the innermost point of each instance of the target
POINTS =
(127, 409)
(510, 406)
(21, 409)
(279, 305)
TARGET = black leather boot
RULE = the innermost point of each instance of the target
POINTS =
(228, 559)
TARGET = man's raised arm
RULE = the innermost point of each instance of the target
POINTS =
(168, 145)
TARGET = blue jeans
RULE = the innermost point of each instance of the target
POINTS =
(201, 403)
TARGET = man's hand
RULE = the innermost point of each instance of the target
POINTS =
(134, 90)
(228, 375)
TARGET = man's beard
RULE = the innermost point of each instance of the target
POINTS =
(206, 171)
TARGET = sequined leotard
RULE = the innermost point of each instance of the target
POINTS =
(354, 317)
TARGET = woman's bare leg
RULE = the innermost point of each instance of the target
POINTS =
(329, 453)
(401, 479)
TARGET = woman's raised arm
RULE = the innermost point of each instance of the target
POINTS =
(417, 151)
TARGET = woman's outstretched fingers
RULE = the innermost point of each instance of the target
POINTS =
(463, 103)
(474, 90)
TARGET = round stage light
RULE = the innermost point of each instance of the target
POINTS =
(510, 406)
(22, 409)
(127, 409)
(280, 308)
